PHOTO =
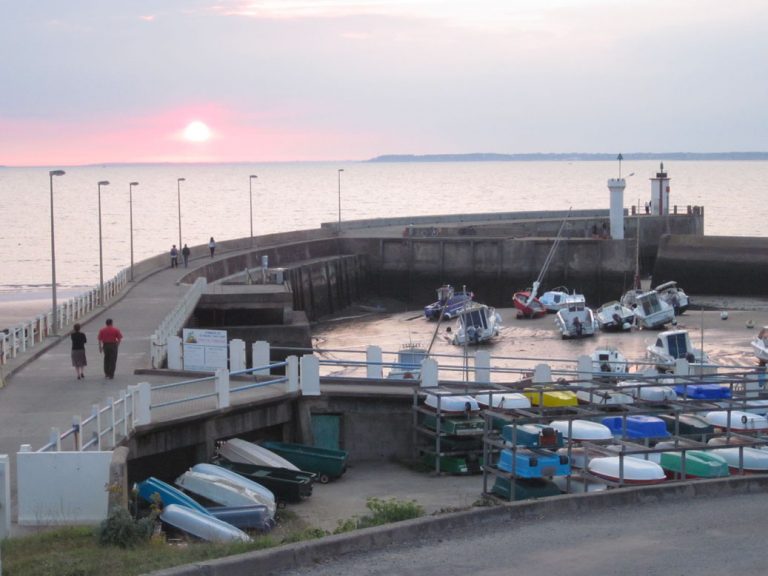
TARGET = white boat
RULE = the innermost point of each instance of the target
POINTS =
(223, 491)
(266, 494)
(609, 361)
(673, 295)
(503, 400)
(603, 395)
(238, 450)
(582, 430)
(576, 321)
(477, 323)
(751, 460)
(448, 402)
(200, 525)
(760, 345)
(650, 311)
(737, 420)
(559, 298)
(646, 391)
(408, 365)
(672, 345)
(615, 317)
(627, 469)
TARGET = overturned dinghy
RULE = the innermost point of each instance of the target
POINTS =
(737, 420)
(224, 491)
(201, 525)
(264, 493)
(628, 470)
(238, 450)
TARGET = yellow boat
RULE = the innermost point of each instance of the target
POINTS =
(551, 398)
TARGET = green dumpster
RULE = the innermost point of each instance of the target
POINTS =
(324, 462)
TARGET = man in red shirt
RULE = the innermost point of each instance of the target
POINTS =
(109, 340)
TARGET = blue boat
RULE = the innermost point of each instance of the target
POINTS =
(704, 391)
(527, 463)
(168, 494)
(637, 426)
(449, 303)
(533, 436)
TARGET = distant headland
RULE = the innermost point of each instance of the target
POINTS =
(571, 156)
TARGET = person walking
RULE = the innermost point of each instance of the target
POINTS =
(212, 246)
(174, 257)
(109, 340)
(185, 252)
(78, 351)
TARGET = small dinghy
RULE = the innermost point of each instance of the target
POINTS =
(448, 402)
(736, 420)
(528, 463)
(503, 400)
(704, 391)
(223, 491)
(265, 493)
(648, 392)
(238, 450)
(201, 525)
(527, 305)
(697, 464)
(637, 426)
(532, 436)
(750, 460)
(760, 345)
(541, 396)
(688, 425)
(582, 430)
(603, 395)
(615, 317)
(628, 470)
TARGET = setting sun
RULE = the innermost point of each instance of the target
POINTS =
(197, 132)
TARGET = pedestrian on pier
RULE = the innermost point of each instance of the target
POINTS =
(78, 351)
(185, 254)
(109, 340)
(174, 257)
(212, 246)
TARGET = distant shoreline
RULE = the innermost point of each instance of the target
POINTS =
(569, 157)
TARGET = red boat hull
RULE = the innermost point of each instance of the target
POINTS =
(526, 309)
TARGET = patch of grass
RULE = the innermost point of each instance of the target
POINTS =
(382, 512)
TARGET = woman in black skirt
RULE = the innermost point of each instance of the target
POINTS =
(78, 351)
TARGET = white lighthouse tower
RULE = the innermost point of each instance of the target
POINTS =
(616, 186)
(660, 193)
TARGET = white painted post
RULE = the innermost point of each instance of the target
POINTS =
(483, 367)
(54, 437)
(236, 355)
(175, 355)
(260, 357)
(542, 374)
(585, 368)
(112, 431)
(222, 387)
(144, 400)
(310, 375)
(97, 418)
(428, 373)
(5, 497)
(373, 360)
(292, 371)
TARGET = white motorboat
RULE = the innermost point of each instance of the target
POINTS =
(503, 400)
(408, 365)
(449, 402)
(238, 450)
(559, 298)
(760, 345)
(649, 392)
(650, 311)
(672, 345)
(477, 324)
(582, 430)
(609, 361)
(200, 525)
(673, 295)
(223, 491)
(576, 321)
(737, 420)
(627, 469)
(213, 470)
(615, 317)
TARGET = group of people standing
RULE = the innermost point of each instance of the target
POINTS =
(185, 252)
(109, 340)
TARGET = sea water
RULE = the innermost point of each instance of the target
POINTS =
(214, 200)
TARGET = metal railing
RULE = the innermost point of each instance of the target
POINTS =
(174, 322)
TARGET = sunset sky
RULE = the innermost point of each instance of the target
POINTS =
(84, 82)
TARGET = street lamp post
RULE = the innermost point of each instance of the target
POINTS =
(340, 171)
(178, 198)
(130, 212)
(101, 254)
(53, 173)
(250, 196)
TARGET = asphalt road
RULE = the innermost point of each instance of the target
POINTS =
(694, 537)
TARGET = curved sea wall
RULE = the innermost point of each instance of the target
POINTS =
(727, 265)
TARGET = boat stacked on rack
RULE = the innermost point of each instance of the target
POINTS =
(649, 391)
(615, 317)
(449, 303)
(673, 295)
(477, 324)
(576, 321)
(672, 345)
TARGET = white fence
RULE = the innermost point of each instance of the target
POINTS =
(174, 322)
(22, 337)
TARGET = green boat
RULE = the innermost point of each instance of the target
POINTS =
(325, 462)
(525, 488)
(458, 426)
(698, 464)
(453, 464)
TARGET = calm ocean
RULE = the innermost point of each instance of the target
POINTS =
(287, 196)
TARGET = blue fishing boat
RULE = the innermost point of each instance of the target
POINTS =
(449, 303)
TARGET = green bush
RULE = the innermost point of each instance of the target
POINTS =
(120, 529)
(382, 512)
